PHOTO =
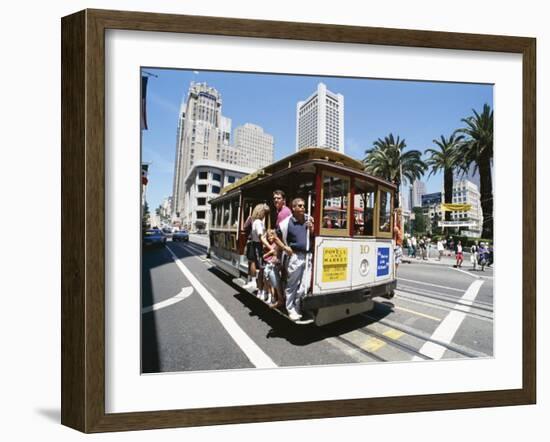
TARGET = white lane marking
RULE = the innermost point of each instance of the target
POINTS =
(254, 353)
(446, 331)
(433, 285)
(185, 292)
(437, 304)
(464, 271)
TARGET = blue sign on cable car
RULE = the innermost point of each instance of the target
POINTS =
(383, 261)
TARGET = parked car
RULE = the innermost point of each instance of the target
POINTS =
(154, 237)
(181, 235)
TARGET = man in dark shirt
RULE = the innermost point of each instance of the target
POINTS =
(297, 234)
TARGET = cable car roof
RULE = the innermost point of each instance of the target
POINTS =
(309, 153)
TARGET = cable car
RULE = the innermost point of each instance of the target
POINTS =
(353, 246)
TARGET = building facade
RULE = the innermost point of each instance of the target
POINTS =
(202, 134)
(253, 145)
(320, 120)
(467, 192)
(464, 192)
(204, 182)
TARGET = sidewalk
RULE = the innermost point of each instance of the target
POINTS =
(446, 260)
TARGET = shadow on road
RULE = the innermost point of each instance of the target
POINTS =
(300, 335)
(150, 359)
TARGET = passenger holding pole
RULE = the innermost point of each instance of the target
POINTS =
(296, 232)
(398, 237)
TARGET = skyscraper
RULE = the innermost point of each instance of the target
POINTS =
(320, 120)
(418, 189)
(202, 134)
(254, 146)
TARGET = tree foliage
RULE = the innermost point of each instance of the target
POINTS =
(388, 159)
(477, 150)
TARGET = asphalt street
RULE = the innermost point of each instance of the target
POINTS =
(194, 318)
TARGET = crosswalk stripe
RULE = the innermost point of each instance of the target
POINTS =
(447, 329)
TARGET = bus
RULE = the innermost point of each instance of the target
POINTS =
(353, 246)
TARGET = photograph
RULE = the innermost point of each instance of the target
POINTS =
(305, 220)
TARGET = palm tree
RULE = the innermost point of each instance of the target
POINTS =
(477, 149)
(445, 159)
(387, 159)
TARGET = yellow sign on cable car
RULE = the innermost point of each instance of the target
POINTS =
(335, 264)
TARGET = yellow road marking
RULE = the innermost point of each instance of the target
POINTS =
(372, 344)
(393, 334)
(367, 343)
(433, 318)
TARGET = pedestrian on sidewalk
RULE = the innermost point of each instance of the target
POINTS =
(474, 255)
(459, 254)
(483, 253)
(423, 246)
(413, 246)
(408, 245)
(490, 255)
(440, 249)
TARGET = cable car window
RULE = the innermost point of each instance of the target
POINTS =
(220, 216)
(213, 216)
(234, 212)
(335, 203)
(384, 221)
(363, 204)
(225, 216)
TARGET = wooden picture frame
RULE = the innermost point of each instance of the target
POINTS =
(83, 220)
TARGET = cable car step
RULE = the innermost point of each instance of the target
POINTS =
(240, 282)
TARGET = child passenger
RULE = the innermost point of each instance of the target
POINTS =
(272, 270)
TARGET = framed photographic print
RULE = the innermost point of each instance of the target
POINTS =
(271, 220)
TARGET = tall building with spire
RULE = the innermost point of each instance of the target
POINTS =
(320, 120)
(202, 134)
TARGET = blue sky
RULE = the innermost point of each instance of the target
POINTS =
(414, 110)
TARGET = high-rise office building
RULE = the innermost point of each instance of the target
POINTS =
(202, 134)
(254, 146)
(320, 120)
(418, 189)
